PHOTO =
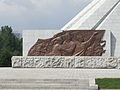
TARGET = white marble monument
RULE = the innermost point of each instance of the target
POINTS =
(98, 15)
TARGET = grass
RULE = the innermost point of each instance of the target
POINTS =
(108, 83)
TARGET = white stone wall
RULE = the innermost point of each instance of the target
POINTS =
(107, 38)
(66, 62)
(30, 37)
(112, 23)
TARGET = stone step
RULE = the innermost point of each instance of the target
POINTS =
(46, 81)
(44, 84)
(44, 89)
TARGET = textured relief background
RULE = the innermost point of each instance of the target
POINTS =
(66, 62)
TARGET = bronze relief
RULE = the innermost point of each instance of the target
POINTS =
(71, 43)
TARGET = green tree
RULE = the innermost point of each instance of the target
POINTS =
(10, 46)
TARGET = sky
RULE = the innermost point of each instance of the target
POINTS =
(39, 14)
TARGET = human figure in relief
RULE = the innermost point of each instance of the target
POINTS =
(70, 48)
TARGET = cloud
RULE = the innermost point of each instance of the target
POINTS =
(39, 14)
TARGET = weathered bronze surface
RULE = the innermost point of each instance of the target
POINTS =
(71, 43)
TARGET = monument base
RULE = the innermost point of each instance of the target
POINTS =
(94, 62)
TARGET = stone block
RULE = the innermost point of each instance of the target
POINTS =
(100, 62)
(48, 62)
(39, 62)
(118, 61)
(28, 62)
(69, 62)
(79, 62)
(16, 62)
(66, 62)
(90, 62)
(92, 84)
(58, 62)
(112, 62)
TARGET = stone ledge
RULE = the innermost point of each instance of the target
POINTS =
(92, 84)
(95, 62)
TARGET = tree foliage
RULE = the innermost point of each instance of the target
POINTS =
(10, 46)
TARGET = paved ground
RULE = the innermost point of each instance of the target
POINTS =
(33, 73)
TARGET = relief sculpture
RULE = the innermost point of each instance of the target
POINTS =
(71, 43)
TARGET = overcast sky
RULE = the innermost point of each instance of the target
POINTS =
(39, 14)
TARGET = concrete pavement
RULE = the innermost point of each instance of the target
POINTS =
(57, 73)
